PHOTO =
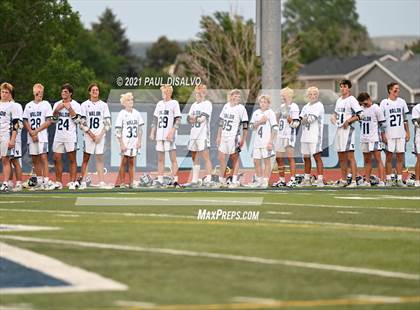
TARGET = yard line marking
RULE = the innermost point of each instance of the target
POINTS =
(414, 212)
(337, 206)
(379, 197)
(253, 300)
(141, 201)
(80, 280)
(278, 212)
(301, 223)
(12, 201)
(9, 227)
(241, 258)
(279, 304)
(347, 225)
(140, 304)
(348, 212)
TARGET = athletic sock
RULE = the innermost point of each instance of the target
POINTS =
(195, 173)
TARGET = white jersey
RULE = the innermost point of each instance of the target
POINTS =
(36, 114)
(201, 130)
(285, 131)
(19, 115)
(232, 117)
(395, 113)
(415, 113)
(95, 113)
(7, 115)
(369, 126)
(263, 131)
(66, 129)
(165, 112)
(345, 109)
(129, 123)
(312, 133)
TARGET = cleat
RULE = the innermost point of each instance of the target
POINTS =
(279, 184)
(292, 184)
(381, 184)
(320, 183)
(71, 185)
(4, 187)
(83, 185)
(400, 183)
(364, 184)
(18, 188)
(306, 183)
(352, 184)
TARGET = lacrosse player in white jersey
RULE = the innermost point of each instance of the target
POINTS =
(96, 121)
(129, 131)
(166, 121)
(415, 117)
(396, 133)
(347, 112)
(370, 138)
(36, 119)
(264, 124)
(231, 135)
(199, 117)
(9, 128)
(289, 121)
(66, 114)
(312, 121)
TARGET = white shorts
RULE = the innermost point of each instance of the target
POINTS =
(309, 148)
(16, 152)
(262, 153)
(344, 139)
(165, 146)
(4, 150)
(198, 145)
(396, 145)
(131, 152)
(37, 148)
(64, 147)
(228, 145)
(368, 147)
(283, 143)
(417, 145)
(90, 147)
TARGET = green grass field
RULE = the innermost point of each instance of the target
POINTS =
(309, 249)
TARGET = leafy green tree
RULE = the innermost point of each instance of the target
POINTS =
(110, 29)
(325, 27)
(162, 53)
(30, 30)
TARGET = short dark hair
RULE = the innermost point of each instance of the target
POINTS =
(363, 96)
(345, 82)
(390, 86)
(68, 87)
(92, 85)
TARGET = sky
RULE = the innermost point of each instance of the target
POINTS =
(147, 20)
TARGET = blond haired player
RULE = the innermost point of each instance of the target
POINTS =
(36, 119)
(289, 121)
(166, 121)
(312, 120)
(199, 117)
(96, 122)
(264, 124)
(231, 135)
(128, 130)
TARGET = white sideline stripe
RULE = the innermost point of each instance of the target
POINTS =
(141, 201)
(9, 227)
(347, 225)
(382, 299)
(254, 300)
(379, 197)
(348, 212)
(278, 212)
(336, 206)
(12, 201)
(414, 212)
(282, 221)
(137, 304)
(80, 280)
(249, 259)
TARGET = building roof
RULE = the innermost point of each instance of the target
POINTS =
(408, 71)
(332, 65)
